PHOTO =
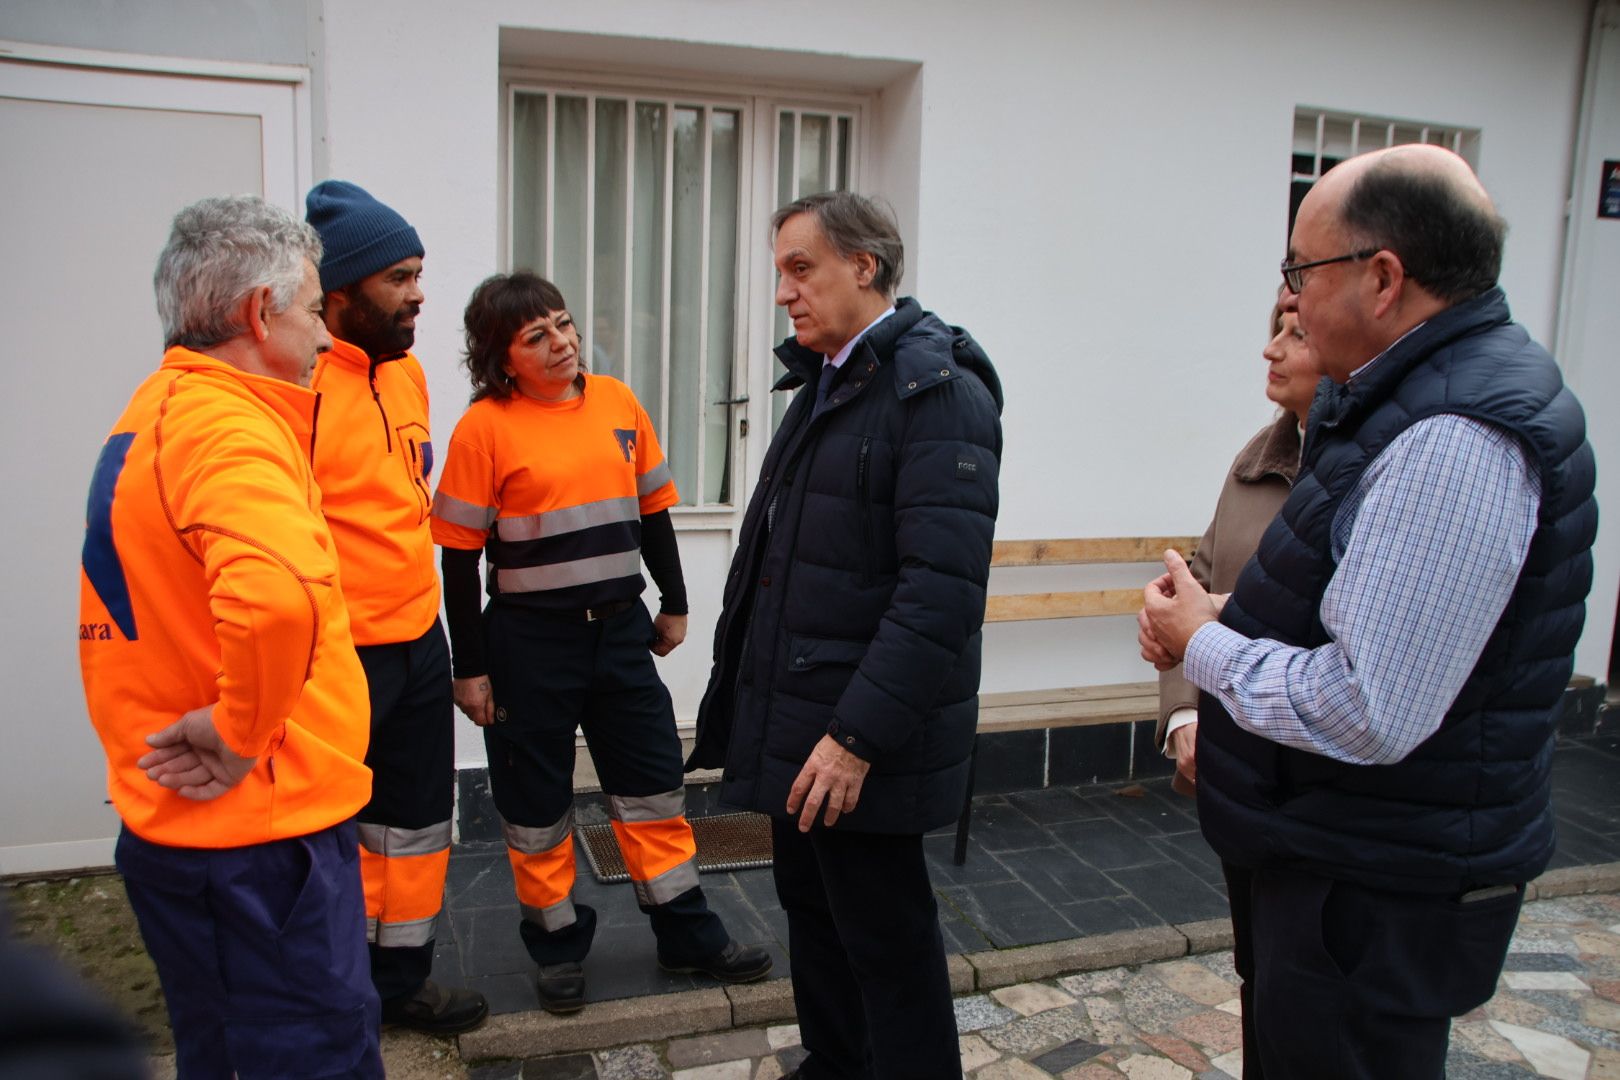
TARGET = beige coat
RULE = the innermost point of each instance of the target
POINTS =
(1260, 479)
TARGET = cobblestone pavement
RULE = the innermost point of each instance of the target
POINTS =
(1556, 1013)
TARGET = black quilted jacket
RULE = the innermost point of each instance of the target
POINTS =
(856, 595)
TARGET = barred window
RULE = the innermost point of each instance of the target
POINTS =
(640, 207)
(1324, 137)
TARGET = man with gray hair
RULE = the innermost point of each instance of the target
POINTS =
(844, 694)
(219, 669)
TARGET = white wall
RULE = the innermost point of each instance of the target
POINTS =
(1589, 324)
(1096, 189)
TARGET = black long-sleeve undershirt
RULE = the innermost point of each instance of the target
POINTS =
(663, 561)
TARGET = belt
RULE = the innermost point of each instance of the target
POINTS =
(595, 614)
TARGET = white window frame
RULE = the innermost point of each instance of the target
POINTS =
(756, 277)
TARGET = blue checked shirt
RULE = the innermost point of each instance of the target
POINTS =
(1428, 548)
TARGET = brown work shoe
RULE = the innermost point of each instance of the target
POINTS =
(437, 1010)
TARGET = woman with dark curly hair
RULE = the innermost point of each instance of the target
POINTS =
(556, 475)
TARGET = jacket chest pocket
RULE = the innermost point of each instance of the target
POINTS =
(416, 455)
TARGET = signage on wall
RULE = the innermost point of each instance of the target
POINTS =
(1609, 191)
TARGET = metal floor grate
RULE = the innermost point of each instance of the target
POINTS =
(724, 842)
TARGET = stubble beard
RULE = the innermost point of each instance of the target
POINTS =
(376, 331)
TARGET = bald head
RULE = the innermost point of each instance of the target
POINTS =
(1424, 204)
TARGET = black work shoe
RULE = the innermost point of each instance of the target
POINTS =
(437, 1010)
(561, 988)
(733, 964)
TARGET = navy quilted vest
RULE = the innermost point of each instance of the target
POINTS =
(1470, 806)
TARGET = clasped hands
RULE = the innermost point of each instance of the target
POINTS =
(190, 758)
(1174, 606)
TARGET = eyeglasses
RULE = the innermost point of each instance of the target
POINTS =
(1294, 276)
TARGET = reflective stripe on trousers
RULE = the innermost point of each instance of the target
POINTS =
(403, 871)
(656, 843)
(542, 859)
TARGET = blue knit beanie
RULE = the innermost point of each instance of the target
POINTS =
(361, 235)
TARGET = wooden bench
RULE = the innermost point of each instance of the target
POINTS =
(1071, 706)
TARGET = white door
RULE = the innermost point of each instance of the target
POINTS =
(96, 163)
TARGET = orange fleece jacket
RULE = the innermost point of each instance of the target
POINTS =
(374, 464)
(208, 576)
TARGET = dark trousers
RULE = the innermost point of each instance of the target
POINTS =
(261, 953)
(869, 978)
(550, 675)
(1342, 981)
(412, 760)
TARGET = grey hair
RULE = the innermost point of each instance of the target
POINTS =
(853, 223)
(220, 249)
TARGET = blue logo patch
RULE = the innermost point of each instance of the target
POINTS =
(627, 442)
(100, 555)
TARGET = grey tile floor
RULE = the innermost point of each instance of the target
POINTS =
(1042, 866)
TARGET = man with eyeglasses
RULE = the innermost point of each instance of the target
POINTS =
(1375, 733)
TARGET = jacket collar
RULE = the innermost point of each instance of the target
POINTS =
(1273, 452)
(804, 365)
(293, 403)
(1488, 309)
(349, 355)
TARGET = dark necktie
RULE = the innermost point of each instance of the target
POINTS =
(823, 388)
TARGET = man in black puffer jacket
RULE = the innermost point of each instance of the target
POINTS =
(844, 693)
(1376, 729)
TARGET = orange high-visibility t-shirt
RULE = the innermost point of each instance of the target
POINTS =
(555, 493)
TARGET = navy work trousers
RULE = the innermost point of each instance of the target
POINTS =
(550, 675)
(261, 951)
(413, 772)
(869, 978)
(1343, 982)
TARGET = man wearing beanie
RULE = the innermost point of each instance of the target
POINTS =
(374, 463)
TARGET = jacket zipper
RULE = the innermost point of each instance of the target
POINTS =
(863, 499)
(314, 425)
(388, 434)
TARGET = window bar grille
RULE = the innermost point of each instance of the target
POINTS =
(703, 302)
(551, 186)
(798, 134)
(626, 354)
(1321, 138)
(832, 153)
(1355, 136)
(590, 215)
(511, 177)
(668, 260)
